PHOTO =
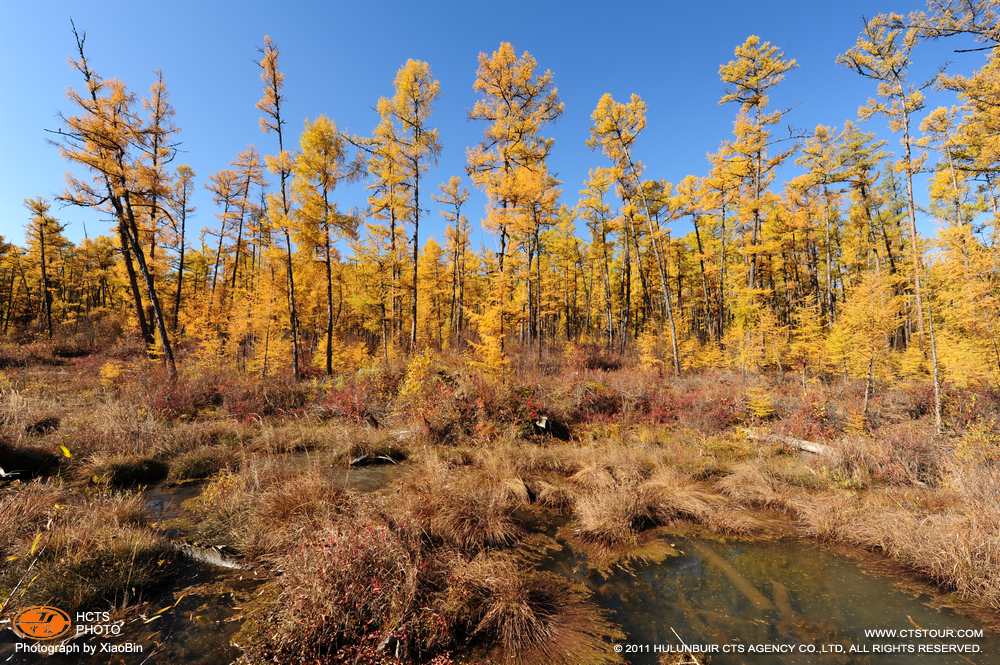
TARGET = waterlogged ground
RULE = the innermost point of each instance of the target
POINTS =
(736, 595)
(194, 622)
(781, 592)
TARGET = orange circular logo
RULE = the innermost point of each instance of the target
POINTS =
(42, 622)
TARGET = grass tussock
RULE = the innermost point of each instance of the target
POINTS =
(124, 471)
(377, 582)
(469, 511)
(527, 617)
(357, 573)
(202, 462)
(261, 508)
(94, 553)
(618, 496)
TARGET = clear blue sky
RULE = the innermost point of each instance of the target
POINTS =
(340, 57)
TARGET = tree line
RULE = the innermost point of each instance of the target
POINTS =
(826, 274)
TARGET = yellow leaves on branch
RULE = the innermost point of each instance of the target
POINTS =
(757, 67)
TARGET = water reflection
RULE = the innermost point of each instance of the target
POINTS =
(769, 593)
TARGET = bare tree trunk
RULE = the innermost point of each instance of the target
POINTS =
(293, 314)
(918, 269)
(416, 248)
(46, 292)
(453, 302)
(239, 234)
(606, 269)
(168, 353)
(828, 300)
(538, 293)
(664, 283)
(218, 250)
(701, 265)
(869, 385)
(180, 264)
(397, 305)
(329, 285)
(626, 285)
(140, 310)
(722, 275)
(460, 326)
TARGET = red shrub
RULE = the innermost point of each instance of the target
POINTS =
(186, 397)
(253, 397)
(707, 403)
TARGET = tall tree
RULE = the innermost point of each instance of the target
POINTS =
(453, 196)
(322, 164)
(415, 92)
(616, 126)
(517, 103)
(756, 68)
(596, 212)
(882, 53)
(108, 138)
(281, 164)
(43, 234)
(180, 203)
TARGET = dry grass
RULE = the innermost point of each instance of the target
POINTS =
(750, 485)
(637, 488)
(24, 509)
(470, 511)
(202, 462)
(92, 553)
(114, 427)
(957, 547)
(526, 616)
(263, 507)
(355, 572)
(611, 516)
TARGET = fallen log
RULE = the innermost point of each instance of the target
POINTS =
(740, 583)
(801, 444)
(212, 555)
(370, 460)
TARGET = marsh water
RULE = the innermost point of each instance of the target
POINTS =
(194, 622)
(166, 501)
(784, 592)
(738, 596)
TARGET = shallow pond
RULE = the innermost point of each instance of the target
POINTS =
(771, 593)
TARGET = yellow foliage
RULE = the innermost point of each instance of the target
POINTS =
(348, 358)
(651, 350)
(980, 443)
(706, 355)
(911, 362)
(419, 372)
(109, 373)
(489, 349)
(760, 403)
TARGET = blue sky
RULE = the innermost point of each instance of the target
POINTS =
(339, 57)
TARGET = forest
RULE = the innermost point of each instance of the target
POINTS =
(285, 407)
